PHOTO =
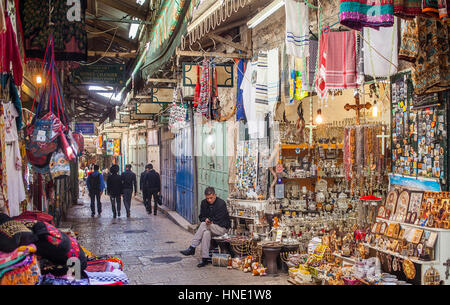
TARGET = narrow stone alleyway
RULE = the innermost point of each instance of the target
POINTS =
(149, 247)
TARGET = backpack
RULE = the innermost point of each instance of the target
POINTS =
(94, 182)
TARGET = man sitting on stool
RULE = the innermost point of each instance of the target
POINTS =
(215, 221)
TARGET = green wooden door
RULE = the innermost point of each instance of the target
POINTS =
(212, 161)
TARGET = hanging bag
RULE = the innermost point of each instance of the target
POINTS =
(59, 165)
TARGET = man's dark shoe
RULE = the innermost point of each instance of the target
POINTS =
(203, 263)
(188, 251)
(128, 216)
(118, 214)
(114, 216)
(92, 215)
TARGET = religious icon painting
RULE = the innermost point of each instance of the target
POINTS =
(415, 203)
(391, 202)
(402, 206)
(381, 212)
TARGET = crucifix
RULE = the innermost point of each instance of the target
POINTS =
(383, 136)
(447, 264)
(357, 107)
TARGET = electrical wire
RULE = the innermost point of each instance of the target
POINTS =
(103, 56)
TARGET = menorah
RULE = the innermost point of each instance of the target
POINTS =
(284, 255)
(246, 247)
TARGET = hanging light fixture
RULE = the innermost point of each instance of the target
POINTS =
(319, 119)
(38, 79)
(375, 109)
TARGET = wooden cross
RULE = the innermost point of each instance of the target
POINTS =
(383, 136)
(447, 264)
(357, 107)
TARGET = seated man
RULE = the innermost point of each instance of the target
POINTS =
(215, 221)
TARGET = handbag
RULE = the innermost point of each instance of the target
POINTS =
(59, 165)
(79, 139)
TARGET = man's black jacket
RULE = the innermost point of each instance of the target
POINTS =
(216, 212)
(114, 185)
(129, 180)
(151, 181)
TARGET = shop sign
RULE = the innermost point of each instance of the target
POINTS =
(85, 128)
(105, 75)
(109, 147)
(161, 94)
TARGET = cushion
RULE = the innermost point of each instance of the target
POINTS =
(56, 246)
(13, 234)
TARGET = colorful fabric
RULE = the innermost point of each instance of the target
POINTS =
(21, 251)
(407, 9)
(409, 47)
(205, 90)
(14, 234)
(321, 89)
(240, 112)
(341, 60)
(9, 52)
(430, 8)
(443, 6)
(357, 14)
(69, 31)
(261, 78)
(2, 19)
(431, 72)
(6, 79)
(26, 274)
(384, 41)
(297, 28)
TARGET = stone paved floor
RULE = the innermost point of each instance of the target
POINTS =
(142, 238)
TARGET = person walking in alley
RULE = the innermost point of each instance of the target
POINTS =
(114, 189)
(95, 185)
(151, 187)
(128, 182)
(215, 221)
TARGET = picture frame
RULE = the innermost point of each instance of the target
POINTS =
(391, 202)
(383, 228)
(396, 231)
(378, 229)
(431, 240)
(417, 236)
(415, 202)
(401, 234)
(402, 206)
(390, 230)
(381, 212)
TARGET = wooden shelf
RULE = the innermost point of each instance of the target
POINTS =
(306, 146)
(348, 259)
(402, 256)
(413, 226)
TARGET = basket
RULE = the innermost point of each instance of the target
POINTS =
(351, 282)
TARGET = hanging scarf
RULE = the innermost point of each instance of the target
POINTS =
(240, 113)
(309, 67)
(205, 93)
(261, 78)
(297, 28)
(407, 9)
(9, 52)
(357, 14)
(197, 88)
(321, 89)
(341, 60)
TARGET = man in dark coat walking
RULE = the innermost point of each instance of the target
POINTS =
(128, 182)
(95, 185)
(114, 189)
(151, 187)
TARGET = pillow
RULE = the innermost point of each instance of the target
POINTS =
(13, 234)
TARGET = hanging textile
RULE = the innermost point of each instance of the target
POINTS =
(384, 41)
(273, 78)
(357, 14)
(205, 93)
(248, 87)
(435, 8)
(309, 68)
(341, 60)
(7, 83)
(426, 43)
(321, 89)
(240, 113)
(16, 189)
(9, 52)
(4, 176)
(407, 9)
(197, 88)
(409, 47)
(262, 78)
(297, 28)
(68, 31)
